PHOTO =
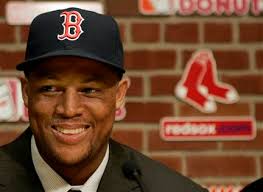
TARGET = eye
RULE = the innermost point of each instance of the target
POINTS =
(48, 89)
(88, 91)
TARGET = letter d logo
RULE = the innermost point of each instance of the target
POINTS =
(72, 25)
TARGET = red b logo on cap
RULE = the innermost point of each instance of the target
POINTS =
(72, 25)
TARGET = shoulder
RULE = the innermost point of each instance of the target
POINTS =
(160, 177)
(19, 149)
(10, 168)
(10, 156)
(17, 171)
(15, 160)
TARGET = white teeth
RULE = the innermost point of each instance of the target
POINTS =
(70, 131)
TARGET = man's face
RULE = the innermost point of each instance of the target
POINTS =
(72, 103)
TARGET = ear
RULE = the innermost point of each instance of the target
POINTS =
(123, 86)
(24, 83)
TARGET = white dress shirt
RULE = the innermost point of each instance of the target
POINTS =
(52, 182)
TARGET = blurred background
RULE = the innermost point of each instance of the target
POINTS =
(157, 48)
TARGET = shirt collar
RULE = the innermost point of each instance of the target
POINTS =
(52, 182)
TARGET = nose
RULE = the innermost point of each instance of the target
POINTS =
(70, 104)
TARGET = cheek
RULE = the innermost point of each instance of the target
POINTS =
(103, 108)
(103, 113)
(42, 104)
(40, 112)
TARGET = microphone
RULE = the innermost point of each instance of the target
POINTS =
(133, 172)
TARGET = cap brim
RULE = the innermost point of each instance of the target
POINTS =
(22, 66)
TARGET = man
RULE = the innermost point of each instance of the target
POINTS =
(73, 86)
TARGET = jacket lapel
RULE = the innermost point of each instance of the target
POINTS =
(113, 179)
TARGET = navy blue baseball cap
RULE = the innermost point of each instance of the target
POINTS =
(74, 32)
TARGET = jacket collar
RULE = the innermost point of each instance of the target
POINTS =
(113, 178)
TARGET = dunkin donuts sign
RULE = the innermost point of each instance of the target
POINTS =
(12, 108)
(201, 7)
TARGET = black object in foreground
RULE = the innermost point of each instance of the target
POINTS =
(256, 186)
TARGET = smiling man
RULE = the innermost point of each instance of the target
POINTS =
(73, 86)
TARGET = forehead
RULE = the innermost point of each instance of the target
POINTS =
(67, 66)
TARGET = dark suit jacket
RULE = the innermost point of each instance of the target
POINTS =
(17, 173)
(256, 186)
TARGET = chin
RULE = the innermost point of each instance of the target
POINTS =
(71, 156)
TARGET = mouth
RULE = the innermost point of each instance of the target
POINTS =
(71, 129)
(71, 133)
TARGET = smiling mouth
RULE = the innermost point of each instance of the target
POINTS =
(69, 130)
